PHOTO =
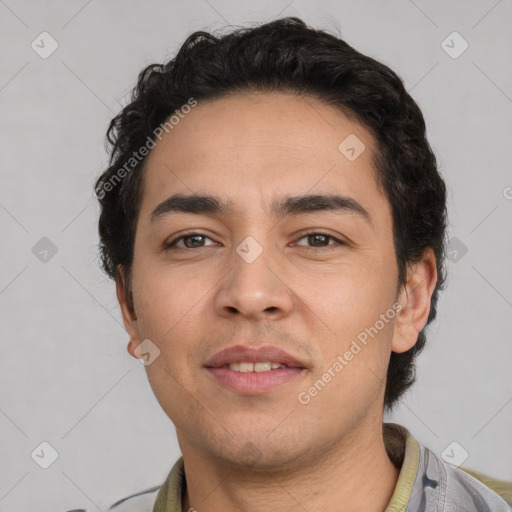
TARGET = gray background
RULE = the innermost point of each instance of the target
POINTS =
(65, 375)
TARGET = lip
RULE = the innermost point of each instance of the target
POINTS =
(254, 382)
(239, 353)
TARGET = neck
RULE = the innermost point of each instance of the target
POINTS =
(353, 475)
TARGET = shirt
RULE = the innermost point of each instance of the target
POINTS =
(426, 483)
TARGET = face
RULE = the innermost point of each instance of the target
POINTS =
(299, 285)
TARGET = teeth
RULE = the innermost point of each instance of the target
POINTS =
(255, 367)
(262, 367)
(245, 367)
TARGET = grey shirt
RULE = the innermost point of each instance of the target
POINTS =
(426, 483)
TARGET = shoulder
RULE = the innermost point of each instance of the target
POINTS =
(465, 492)
(426, 479)
(484, 493)
(139, 502)
(501, 487)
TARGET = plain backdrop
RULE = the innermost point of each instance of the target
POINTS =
(65, 375)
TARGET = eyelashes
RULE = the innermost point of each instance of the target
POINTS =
(324, 236)
(185, 237)
(196, 236)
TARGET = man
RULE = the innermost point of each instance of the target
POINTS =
(275, 223)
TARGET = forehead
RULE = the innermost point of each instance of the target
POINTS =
(248, 148)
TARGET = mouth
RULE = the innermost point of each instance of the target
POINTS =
(258, 367)
(249, 370)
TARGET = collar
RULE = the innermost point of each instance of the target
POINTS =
(402, 448)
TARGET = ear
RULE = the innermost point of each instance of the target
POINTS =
(127, 310)
(414, 297)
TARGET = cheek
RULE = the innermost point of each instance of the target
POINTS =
(356, 344)
(164, 298)
(348, 297)
(168, 305)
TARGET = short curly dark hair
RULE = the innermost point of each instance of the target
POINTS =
(286, 55)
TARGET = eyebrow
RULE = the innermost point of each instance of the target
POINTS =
(202, 204)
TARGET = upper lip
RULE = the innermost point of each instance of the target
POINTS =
(241, 353)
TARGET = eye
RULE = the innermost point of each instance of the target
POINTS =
(190, 241)
(319, 238)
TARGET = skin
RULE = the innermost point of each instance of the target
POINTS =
(192, 302)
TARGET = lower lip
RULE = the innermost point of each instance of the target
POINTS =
(255, 382)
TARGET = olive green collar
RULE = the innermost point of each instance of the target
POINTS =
(402, 449)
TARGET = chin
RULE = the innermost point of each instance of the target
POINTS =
(261, 450)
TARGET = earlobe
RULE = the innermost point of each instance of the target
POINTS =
(127, 311)
(415, 298)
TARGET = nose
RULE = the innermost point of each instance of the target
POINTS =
(256, 287)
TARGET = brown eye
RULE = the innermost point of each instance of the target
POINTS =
(319, 240)
(191, 241)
